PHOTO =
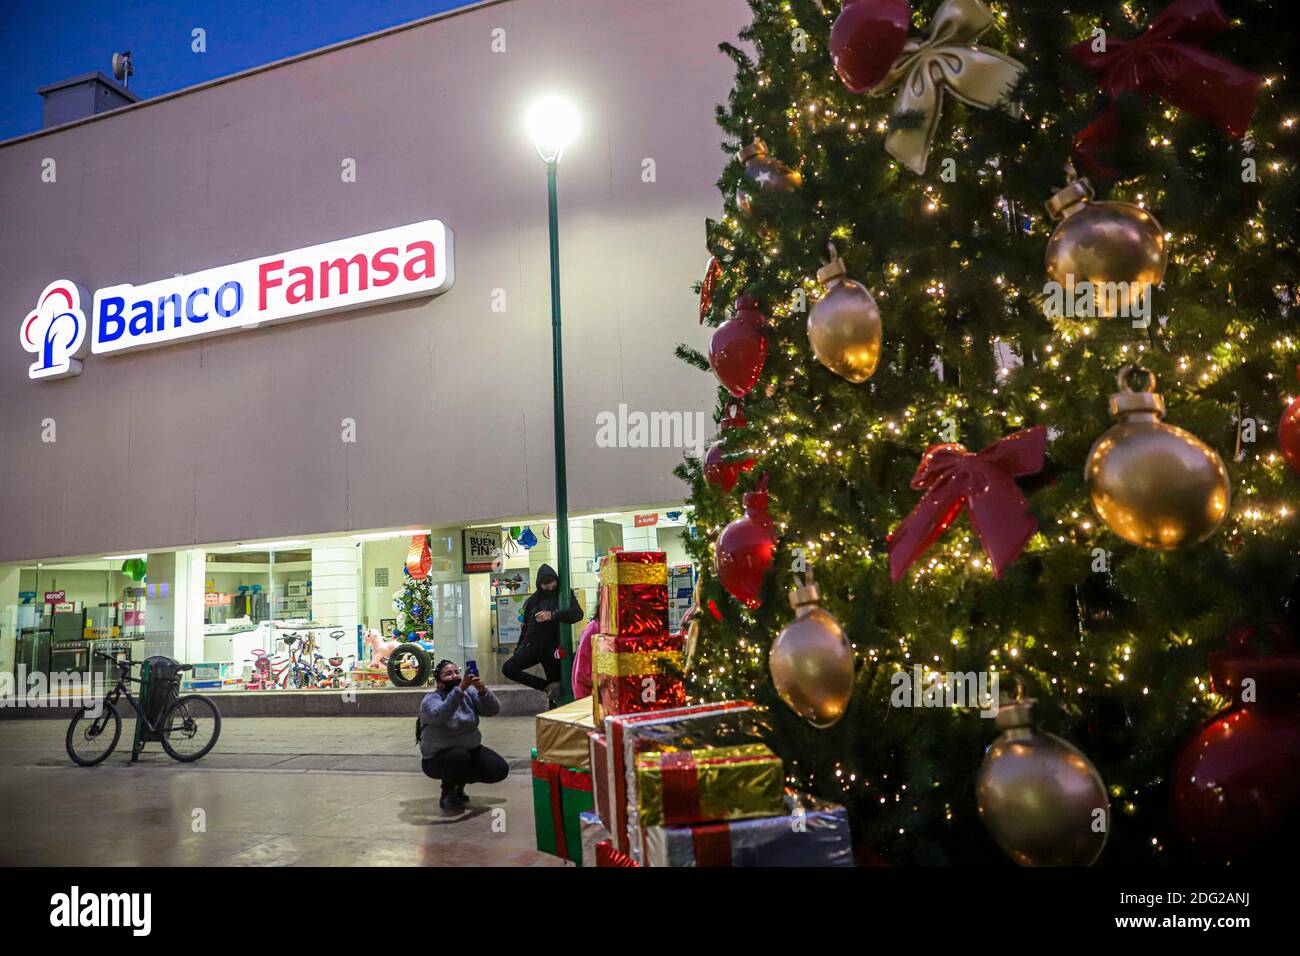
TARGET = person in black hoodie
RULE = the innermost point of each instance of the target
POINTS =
(539, 642)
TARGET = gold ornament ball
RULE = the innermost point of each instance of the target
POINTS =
(844, 325)
(1156, 486)
(1039, 796)
(690, 622)
(811, 661)
(1104, 243)
(692, 642)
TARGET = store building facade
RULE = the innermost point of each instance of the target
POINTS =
(184, 467)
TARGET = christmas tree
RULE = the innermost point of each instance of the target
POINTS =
(414, 603)
(922, 144)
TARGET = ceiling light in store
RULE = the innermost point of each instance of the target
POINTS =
(124, 557)
(273, 545)
(385, 535)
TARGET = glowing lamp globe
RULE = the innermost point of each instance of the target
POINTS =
(553, 124)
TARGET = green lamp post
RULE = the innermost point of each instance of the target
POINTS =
(553, 123)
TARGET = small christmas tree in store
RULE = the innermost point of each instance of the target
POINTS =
(1003, 309)
(413, 603)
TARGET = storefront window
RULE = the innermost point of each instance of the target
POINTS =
(282, 615)
(54, 616)
(288, 614)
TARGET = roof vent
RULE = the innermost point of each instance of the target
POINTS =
(85, 95)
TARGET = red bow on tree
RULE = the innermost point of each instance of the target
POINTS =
(984, 484)
(1162, 62)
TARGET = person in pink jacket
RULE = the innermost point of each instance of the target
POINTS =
(582, 660)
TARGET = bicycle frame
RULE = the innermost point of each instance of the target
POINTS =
(123, 689)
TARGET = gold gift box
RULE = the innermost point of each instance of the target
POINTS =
(562, 734)
(616, 568)
(713, 783)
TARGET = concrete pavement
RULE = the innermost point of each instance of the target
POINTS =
(322, 791)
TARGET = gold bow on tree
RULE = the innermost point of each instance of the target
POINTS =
(950, 59)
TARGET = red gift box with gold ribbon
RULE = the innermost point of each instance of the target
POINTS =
(632, 675)
(634, 593)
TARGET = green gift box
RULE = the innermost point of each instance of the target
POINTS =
(560, 796)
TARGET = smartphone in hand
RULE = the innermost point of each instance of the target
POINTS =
(471, 667)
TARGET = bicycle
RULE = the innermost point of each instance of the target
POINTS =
(182, 728)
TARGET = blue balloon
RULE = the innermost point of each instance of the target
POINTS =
(528, 539)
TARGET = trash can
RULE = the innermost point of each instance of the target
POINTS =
(159, 680)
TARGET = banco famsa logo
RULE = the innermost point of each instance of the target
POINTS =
(56, 332)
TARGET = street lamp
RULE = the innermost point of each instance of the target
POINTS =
(553, 123)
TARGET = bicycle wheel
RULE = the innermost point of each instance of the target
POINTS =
(190, 728)
(92, 738)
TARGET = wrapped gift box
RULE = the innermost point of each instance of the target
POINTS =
(711, 783)
(624, 740)
(607, 856)
(562, 734)
(636, 674)
(633, 609)
(634, 593)
(592, 831)
(560, 796)
(810, 832)
(634, 567)
(598, 751)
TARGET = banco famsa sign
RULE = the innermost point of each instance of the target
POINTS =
(385, 266)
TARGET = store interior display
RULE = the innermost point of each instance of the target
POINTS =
(293, 615)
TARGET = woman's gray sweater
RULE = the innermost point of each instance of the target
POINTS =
(451, 719)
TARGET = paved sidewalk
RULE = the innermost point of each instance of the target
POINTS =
(377, 744)
(345, 791)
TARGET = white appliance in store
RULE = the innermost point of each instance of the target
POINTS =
(681, 585)
(237, 639)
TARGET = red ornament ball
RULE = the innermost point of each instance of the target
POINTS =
(738, 350)
(1288, 434)
(722, 473)
(1236, 782)
(866, 39)
(746, 548)
(718, 472)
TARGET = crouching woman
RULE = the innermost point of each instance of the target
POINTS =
(450, 741)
